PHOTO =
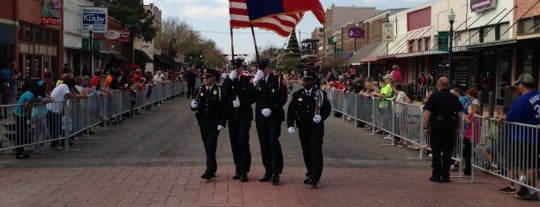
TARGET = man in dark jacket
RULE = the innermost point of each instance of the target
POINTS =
(309, 108)
(270, 96)
(191, 77)
(239, 114)
(208, 107)
(442, 115)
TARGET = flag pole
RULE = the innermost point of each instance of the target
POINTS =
(255, 43)
(232, 46)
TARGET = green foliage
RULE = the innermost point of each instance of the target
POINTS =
(132, 15)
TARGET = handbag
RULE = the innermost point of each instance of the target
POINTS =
(39, 111)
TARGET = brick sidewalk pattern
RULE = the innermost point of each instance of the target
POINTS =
(181, 186)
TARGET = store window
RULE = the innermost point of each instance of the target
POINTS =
(37, 34)
(27, 33)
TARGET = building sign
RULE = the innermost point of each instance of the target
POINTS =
(481, 5)
(356, 32)
(112, 35)
(49, 9)
(442, 41)
(331, 41)
(95, 16)
(388, 31)
(124, 36)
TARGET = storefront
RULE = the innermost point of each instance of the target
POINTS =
(38, 50)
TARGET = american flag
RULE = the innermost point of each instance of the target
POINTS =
(282, 24)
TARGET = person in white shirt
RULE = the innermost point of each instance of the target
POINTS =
(59, 95)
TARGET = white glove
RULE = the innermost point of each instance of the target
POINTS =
(219, 127)
(317, 119)
(258, 77)
(233, 75)
(290, 130)
(194, 104)
(236, 102)
(266, 112)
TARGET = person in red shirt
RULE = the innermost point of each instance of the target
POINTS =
(95, 79)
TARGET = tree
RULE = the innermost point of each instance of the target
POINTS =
(179, 37)
(290, 60)
(132, 15)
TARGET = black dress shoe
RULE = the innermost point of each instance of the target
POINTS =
(265, 178)
(236, 176)
(435, 179)
(244, 178)
(306, 180)
(445, 180)
(275, 179)
(208, 176)
(313, 182)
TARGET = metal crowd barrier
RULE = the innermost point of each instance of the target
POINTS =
(75, 116)
(508, 150)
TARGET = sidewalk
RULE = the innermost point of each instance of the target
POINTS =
(181, 186)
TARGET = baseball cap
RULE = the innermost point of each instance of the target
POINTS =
(524, 78)
(388, 76)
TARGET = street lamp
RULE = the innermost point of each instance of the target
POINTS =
(451, 18)
(91, 49)
(356, 26)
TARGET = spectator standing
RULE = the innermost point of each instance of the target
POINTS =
(473, 110)
(191, 77)
(59, 96)
(6, 75)
(442, 114)
(523, 146)
(95, 79)
(309, 108)
(48, 81)
(14, 84)
(270, 95)
(21, 114)
(396, 74)
(400, 112)
(210, 114)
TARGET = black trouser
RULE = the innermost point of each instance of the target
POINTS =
(54, 124)
(442, 140)
(209, 134)
(239, 136)
(22, 133)
(311, 139)
(272, 157)
(467, 155)
(191, 91)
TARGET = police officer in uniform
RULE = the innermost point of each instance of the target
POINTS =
(239, 114)
(270, 96)
(309, 108)
(210, 113)
(442, 116)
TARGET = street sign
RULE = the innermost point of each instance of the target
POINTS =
(95, 16)
(331, 41)
(95, 45)
(339, 52)
(442, 40)
(356, 32)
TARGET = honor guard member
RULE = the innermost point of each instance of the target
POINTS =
(239, 115)
(270, 96)
(442, 116)
(309, 108)
(210, 115)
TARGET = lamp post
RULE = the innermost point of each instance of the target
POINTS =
(451, 18)
(91, 45)
(355, 26)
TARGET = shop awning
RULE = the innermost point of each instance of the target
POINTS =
(162, 59)
(365, 51)
(492, 44)
(118, 56)
(102, 55)
(139, 54)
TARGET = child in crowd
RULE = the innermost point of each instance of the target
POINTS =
(473, 110)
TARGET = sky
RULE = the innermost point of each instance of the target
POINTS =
(211, 19)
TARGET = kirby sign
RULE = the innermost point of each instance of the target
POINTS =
(95, 16)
